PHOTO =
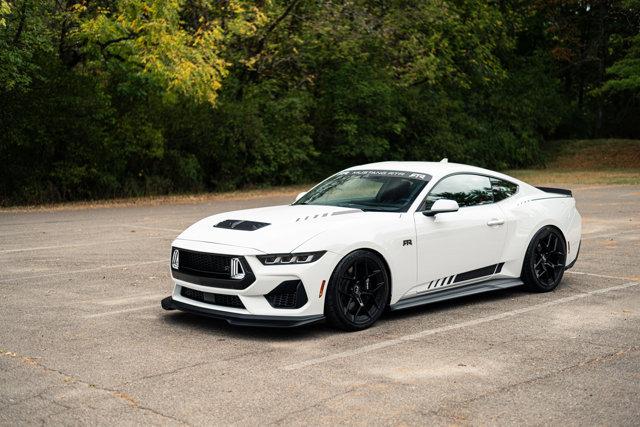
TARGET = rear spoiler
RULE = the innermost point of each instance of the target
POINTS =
(556, 191)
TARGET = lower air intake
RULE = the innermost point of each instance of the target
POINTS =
(214, 299)
(289, 294)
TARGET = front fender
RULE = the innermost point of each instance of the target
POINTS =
(393, 239)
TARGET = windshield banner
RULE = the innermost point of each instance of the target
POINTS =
(374, 172)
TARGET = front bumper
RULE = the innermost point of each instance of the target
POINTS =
(242, 319)
(253, 307)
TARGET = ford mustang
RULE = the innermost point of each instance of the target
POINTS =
(382, 236)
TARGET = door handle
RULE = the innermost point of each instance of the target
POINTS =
(495, 222)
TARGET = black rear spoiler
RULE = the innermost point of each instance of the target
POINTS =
(556, 190)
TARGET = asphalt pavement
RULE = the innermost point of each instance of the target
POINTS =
(83, 339)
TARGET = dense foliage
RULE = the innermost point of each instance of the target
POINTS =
(129, 97)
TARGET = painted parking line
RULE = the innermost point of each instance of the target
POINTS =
(86, 270)
(94, 226)
(602, 276)
(428, 332)
(128, 300)
(147, 227)
(611, 234)
(80, 245)
(123, 311)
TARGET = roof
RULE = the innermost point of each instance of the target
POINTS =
(431, 168)
(435, 169)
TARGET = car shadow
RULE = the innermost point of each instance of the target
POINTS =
(320, 329)
(210, 325)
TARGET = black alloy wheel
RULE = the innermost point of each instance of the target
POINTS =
(545, 260)
(358, 291)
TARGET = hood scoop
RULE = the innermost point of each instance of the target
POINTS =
(238, 224)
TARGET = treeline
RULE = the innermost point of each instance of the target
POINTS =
(130, 97)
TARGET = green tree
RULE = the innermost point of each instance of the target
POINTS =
(131, 97)
(150, 39)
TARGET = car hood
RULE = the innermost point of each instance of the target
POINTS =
(289, 226)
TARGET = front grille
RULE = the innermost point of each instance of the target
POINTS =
(204, 264)
(210, 298)
(207, 269)
(289, 294)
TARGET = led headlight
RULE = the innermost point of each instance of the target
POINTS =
(282, 259)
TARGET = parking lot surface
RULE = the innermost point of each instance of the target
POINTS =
(83, 339)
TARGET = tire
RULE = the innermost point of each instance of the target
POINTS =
(358, 291)
(544, 262)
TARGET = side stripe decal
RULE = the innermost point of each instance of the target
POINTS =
(467, 275)
(474, 274)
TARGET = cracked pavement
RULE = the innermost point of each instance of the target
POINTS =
(84, 340)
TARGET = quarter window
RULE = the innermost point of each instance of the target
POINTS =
(467, 190)
(502, 189)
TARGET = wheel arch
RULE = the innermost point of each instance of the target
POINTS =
(337, 313)
(532, 280)
(385, 263)
(544, 225)
(535, 233)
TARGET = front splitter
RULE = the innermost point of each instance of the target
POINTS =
(239, 319)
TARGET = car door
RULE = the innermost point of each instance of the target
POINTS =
(458, 246)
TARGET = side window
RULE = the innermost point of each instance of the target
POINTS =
(502, 189)
(467, 190)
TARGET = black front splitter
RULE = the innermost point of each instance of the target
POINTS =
(239, 319)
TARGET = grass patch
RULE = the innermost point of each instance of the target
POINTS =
(174, 199)
(578, 176)
(569, 162)
(587, 161)
(593, 154)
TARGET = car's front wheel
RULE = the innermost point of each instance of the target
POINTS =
(358, 291)
(544, 262)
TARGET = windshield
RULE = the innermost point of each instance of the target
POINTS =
(369, 190)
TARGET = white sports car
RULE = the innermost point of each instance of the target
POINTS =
(380, 236)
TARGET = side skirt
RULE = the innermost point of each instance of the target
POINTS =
(461, 291)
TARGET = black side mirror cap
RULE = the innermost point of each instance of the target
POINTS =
(434, 213)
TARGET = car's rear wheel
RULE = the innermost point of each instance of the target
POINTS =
(545, 260)
(358, 291)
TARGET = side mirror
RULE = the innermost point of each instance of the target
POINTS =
(299, 196)
(442, 206)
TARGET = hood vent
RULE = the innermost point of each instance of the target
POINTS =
(238, 224)
(347, 212)
(306, 218)
(312, 217)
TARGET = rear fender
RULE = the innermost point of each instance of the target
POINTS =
(528, 216)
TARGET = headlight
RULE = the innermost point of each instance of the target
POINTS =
(299, 258)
